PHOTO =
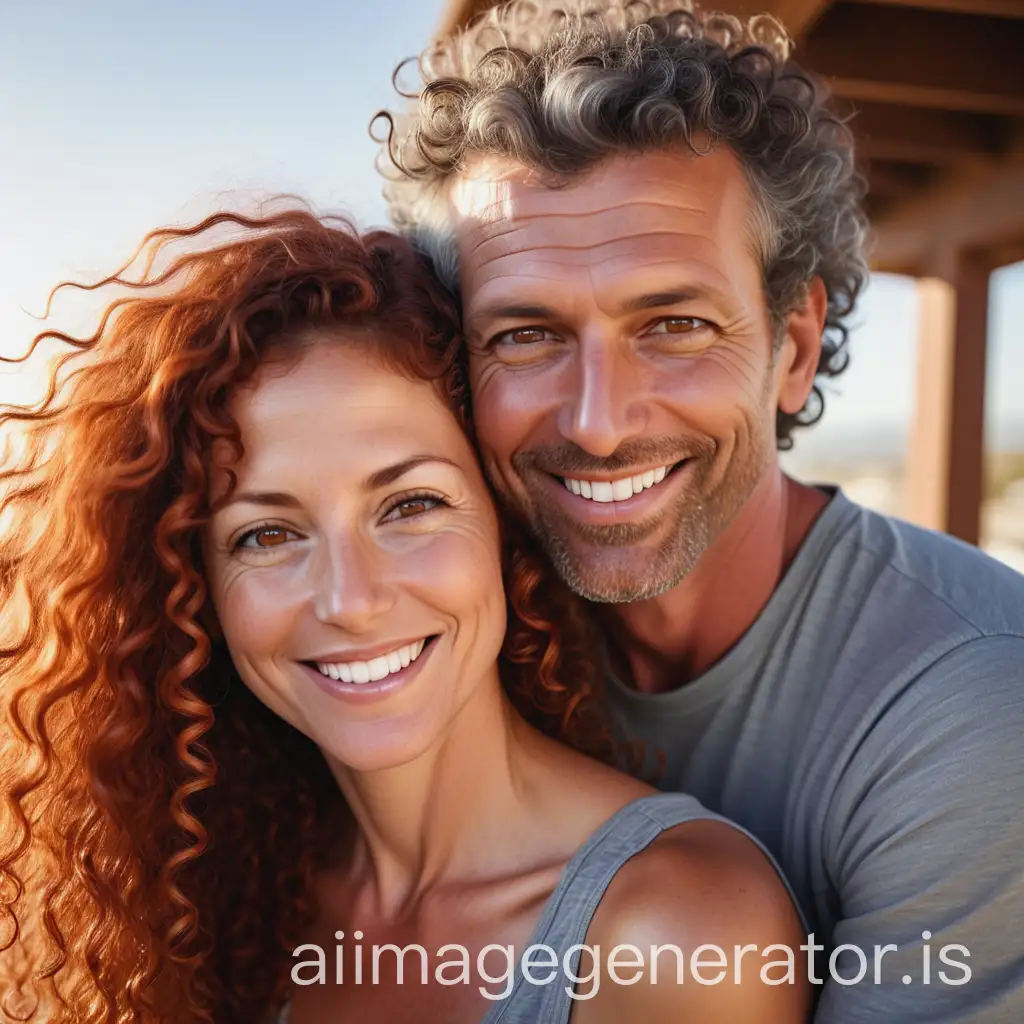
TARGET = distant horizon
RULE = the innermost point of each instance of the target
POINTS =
(888, 440)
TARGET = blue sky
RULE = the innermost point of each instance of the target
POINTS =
(119, 117)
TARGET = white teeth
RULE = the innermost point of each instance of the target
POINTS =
(376, 668)
(616, 490)
(622, 489)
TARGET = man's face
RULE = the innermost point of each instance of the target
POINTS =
(622, 369)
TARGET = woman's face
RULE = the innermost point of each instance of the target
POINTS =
(356, 570)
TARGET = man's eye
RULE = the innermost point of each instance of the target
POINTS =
(524, 336)
(263, 537)
(678, 325)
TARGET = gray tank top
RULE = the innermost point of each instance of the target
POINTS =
(570, 908)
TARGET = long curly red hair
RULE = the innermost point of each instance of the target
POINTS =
(159, 827)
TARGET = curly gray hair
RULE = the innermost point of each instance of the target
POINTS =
(559, 89)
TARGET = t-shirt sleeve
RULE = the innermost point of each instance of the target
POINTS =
(925, 836)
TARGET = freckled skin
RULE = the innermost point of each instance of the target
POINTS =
(619, 323)
(346, 576)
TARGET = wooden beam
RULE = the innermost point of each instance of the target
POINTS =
(986, 8)
(946, 456)
(898, 180)
(925, 500)
(923, 136)
(978, 208)
(1005, 253)
(925, 96)
(919, 58)
(799, 16)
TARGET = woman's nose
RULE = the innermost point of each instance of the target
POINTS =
(354, 585)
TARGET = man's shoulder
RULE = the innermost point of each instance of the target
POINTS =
(897, 619)
(898, 571)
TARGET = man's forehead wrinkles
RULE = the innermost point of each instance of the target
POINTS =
(508, 228)
(502, 284)
(677, 272)
(584, 251)
(521, 217)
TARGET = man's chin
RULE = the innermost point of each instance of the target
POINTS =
(616, 575)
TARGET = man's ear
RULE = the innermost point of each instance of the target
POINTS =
(801, 349)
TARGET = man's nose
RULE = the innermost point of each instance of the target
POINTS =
(353, 586)
(604, 407)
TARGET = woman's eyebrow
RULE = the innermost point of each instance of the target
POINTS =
(279, 499)
(381, 478)
(389, 474)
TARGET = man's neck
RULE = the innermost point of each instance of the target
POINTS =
(670, 640)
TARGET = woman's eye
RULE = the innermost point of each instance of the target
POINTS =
(524, 336)
(409, 508)
(264, 537)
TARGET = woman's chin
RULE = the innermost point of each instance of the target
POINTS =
(378, 747)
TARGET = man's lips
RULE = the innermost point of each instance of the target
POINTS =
(653, 493)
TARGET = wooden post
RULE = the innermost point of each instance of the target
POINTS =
(945, 470)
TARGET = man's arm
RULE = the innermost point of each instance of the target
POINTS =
(926, 843)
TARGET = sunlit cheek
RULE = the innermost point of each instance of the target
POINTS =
(259, 611)
(500, 404)
(716, 394)
(459, 574)
(512, 413)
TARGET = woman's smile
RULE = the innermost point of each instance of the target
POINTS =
(371, 676)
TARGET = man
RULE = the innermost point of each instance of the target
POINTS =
(657, 237)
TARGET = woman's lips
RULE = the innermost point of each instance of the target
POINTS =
(346, 687)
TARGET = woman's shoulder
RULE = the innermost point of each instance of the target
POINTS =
(706, 889)
(699, 875)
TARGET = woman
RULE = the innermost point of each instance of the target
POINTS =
(263, 717)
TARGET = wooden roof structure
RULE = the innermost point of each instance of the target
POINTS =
(937, 92)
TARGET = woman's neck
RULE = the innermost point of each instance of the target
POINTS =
(452, 812)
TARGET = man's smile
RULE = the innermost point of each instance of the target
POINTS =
(603, 499)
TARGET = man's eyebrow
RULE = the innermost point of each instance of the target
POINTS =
(671, 297)
(513, 311)
(500, 310)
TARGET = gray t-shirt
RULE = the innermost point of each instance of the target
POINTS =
(869, 729)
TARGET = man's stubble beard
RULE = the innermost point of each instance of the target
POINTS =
(697, 519)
